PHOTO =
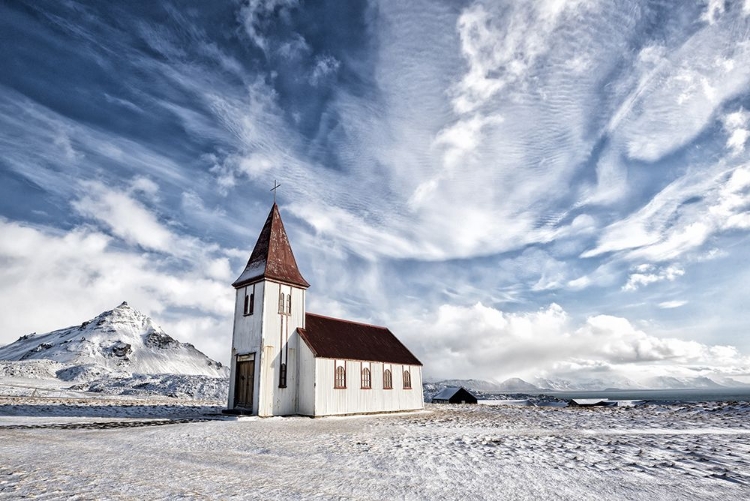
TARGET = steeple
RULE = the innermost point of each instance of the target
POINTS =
(272, 256)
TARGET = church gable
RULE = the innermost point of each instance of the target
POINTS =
(341, 339)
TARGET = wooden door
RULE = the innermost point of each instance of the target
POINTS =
(243, 386)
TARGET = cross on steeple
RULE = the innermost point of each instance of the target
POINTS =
(275, 187)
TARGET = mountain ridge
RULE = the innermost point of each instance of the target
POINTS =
(118, 341)
(118, 352)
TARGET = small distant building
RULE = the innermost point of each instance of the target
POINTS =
(453, 395)
(592, 402)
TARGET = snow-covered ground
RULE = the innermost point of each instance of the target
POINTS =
(686, 451)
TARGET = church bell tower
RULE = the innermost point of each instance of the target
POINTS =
(269, 307)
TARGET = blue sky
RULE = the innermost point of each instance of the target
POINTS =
(554, 188)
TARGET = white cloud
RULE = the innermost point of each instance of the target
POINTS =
(144, 185)
(676, 242)
(254, 15)
(648, 274)
(294, 48)
(580, 283)
(325, 66)
(41, 148)
(232, 168)
(64, 143)
(732, 207)
(682, 217)
(605, 275)
(736, 126)
(125, 217)
(737, 139)
(500, 47)
(611, 180)
(714, 9)
(481, 341)
(680, 90)
(667, 305)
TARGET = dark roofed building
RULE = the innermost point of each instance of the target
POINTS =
(453, 395)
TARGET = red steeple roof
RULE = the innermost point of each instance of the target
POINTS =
(272, 256)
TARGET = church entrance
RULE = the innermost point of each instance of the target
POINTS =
(243, 385)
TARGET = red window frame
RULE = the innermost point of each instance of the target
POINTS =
(339, 376)
(407, 379)
(387, 379)
(366, 378)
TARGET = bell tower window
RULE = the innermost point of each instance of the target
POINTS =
(249, 301)
(285, 304)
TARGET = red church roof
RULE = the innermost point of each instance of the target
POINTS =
(272, 256)
(335, 338)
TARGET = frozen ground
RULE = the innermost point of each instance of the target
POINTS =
(691, 451)
(39, 378)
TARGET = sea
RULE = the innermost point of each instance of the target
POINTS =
(682, 395)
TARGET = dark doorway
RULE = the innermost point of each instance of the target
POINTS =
(243, 385)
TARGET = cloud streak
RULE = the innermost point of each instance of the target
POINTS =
(444, 156)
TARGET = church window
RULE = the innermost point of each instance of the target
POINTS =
(281, 302)
(289, 304)
(282, 376)
(407, 380)
(366, 382)
(340, 381)
(387, 379)
(249, 303)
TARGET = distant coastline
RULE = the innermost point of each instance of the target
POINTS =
(679, 395)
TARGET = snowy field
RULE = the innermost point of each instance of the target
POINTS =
(114, 448)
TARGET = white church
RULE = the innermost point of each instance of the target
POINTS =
(286, 361)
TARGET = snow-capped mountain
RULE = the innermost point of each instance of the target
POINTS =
(120, 342)
(588, 384)
(670, 382)
(517, 385)
(622, 383)
(470, 384)
(480, 387)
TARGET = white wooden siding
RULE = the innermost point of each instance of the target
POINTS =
(355, 400)
(272, 400)
(305, 381)
(261, 333)
(246, 338)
